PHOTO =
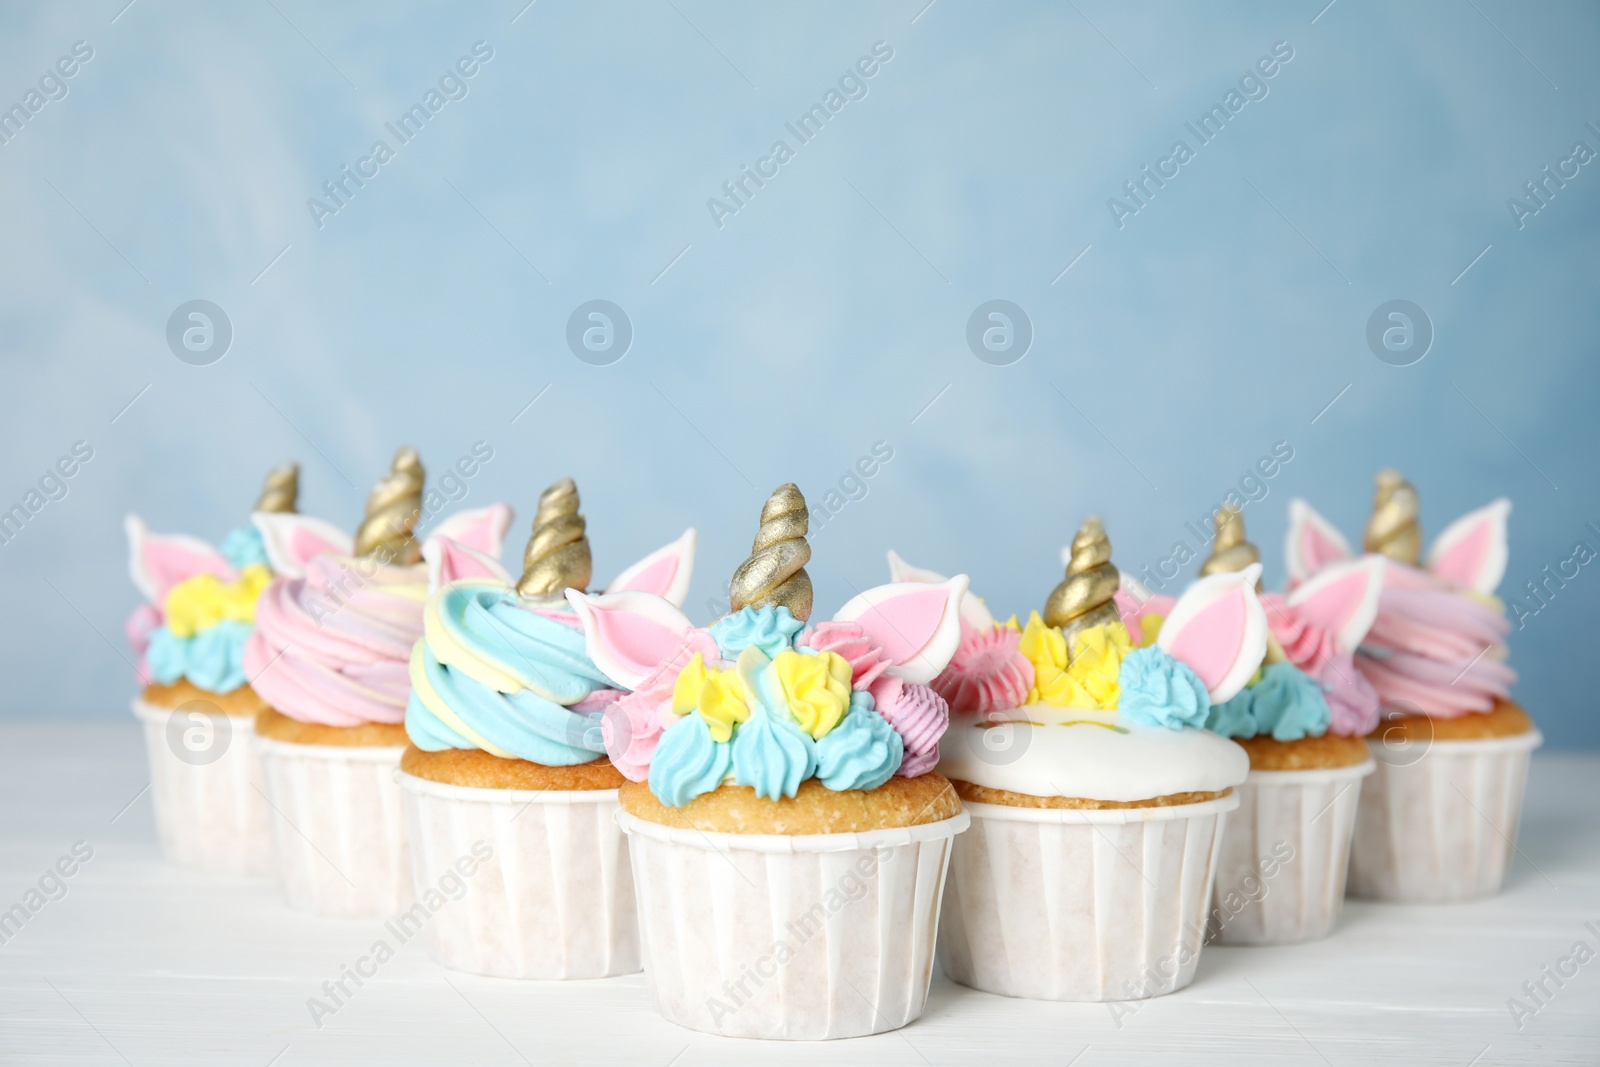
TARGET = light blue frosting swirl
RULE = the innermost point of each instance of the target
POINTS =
(243, 547)
(771, 753)
(212, 659)
(1157, 690)
(687, 762)
(770, 629)
(1286, 702)
(533, 723)
(862, 752)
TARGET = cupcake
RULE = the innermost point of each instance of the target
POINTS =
(788, 834)
(197, 708)
(506, 770)
(1097, 797)
(1438, 819)
(329, 656)
(1281, 875)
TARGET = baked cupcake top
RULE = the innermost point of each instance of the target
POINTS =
(1077, 704)
(1308, 684)
(335, 627)
(501, 665)
(201, 600)
(761, 699)
(1437, 643)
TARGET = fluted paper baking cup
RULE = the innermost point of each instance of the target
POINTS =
(545, 888)
(205, 784)
(1441, 828)
(1281, 872)
(800, 938)
(339, 828)
(1080, 904)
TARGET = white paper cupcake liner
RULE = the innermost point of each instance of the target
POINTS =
(545, 888)
(1088, 905)
(800, 938)
(1442, 827)
(338, 824)
(205, 784)
(1281, 872)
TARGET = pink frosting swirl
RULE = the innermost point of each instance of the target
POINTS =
(334, 647)
(1352, 702)
(987, 672)
(1307, 645)
(919, 715)
(1434, 649)
(850, 640)
(633, 723)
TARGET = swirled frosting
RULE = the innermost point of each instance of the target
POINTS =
(334, 647)
(212, 659)
(862, 752)
(919, 715)
(771, 631)
(850, 640)
(1434, 648)
(494, 673)
(768, 707)
(1352, 702)
(1157, 690)
(633, 724)
(988, 671)
(198, 632)
(1284, 702)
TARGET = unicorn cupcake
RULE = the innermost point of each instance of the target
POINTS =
(1301, 719)
(197, 708)
(1438, 819)
(329, 656)
(506, 753)
(788, 833)
(1097, 797)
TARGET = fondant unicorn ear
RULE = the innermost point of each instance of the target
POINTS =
(157, 562)
(1313, 542)
(449, 561)
(1472, 551)
(901, 571)
(664, 572)
(483, 529)
(1342, 599)
(630, 633)
(1219, 629)
(292, 540)
(917, 624)
(975, 613)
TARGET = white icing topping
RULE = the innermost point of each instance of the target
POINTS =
(1069, 752)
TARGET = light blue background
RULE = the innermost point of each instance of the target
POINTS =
(829, 313)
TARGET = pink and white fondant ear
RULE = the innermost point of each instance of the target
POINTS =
(483, 529)
(157, 562)
(1313, 543)
(975, 614)
(1342, 599)
(917, 624)
(1472, 551)
(449, 561)
(664, 572)
(293, 540)
(1219, 629)
(629, 633)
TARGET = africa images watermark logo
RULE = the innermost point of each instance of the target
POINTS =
(452, 85)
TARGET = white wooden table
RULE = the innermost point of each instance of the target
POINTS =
(140, 963)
